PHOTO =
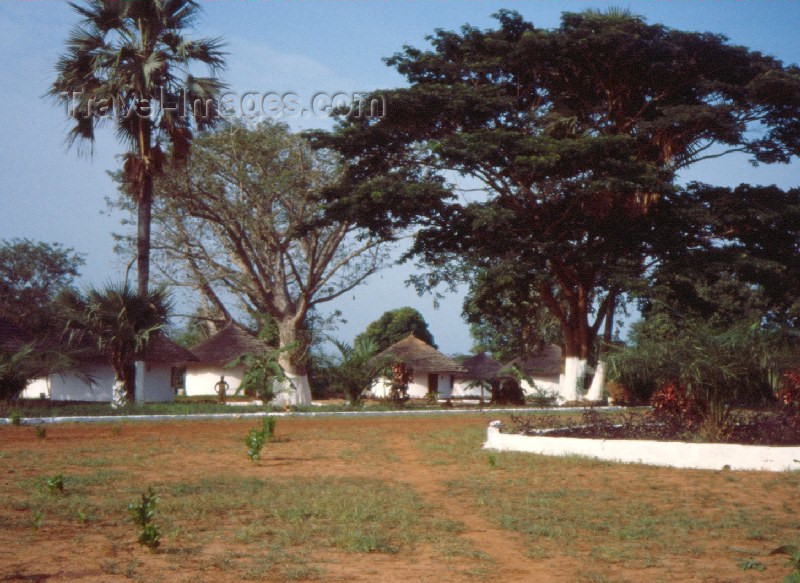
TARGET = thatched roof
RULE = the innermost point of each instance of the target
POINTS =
(12, 337)
(230, 343)
(420, 357)
(162, 349)
(544, 362)
(480, 366)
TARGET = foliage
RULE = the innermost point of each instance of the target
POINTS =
(618, 394)
(117, 322)
(793, 552)
(41, 432)
(261, 373)
(575, 135)
(31, 276)
(142, 515)
(130, 61)
(788, 392)
(240, 224)
(506, 314)
(541, 397)
(55, 484)
(398, 388)
(675, 408)
(34, 360)
(256, 438)
(355, 369)
(15, 417)
(393, 326)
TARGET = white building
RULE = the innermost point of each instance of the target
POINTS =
(430, 370)
(215, 354)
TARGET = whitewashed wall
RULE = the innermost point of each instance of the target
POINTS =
(70, 387)
(549, 384)
(417, 386)
(200, 380)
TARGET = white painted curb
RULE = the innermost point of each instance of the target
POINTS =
(672, 454)
(221, 416)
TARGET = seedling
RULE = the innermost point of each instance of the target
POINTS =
(142, 515)
(492, 459)
(15, 417)
(55, 484)
(256, 439)
(41, 432)
(793, 552)
(36, 519)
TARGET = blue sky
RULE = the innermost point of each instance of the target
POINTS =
(305, 47)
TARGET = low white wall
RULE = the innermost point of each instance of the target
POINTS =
(674, 454)
(200, 380)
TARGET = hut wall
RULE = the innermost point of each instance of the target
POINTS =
(200, 380)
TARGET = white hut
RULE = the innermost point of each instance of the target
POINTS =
(430, 370)
(215, 354)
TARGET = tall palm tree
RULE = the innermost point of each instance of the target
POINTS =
(127, 64)
(119, 323)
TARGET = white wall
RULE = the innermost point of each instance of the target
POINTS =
(158, 383)
(417, 386)
(462, 389)
(70, 387)
(200, 380)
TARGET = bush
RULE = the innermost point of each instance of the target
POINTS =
(788, 392)
(618, 394)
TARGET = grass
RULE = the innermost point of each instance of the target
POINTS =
(615, 515)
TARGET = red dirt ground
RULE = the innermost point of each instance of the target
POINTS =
(189, 451)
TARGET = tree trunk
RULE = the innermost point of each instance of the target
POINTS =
(599, 381)
(144, 218)
(296, 391)
(574, 378)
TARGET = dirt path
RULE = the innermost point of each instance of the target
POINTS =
(429, 482)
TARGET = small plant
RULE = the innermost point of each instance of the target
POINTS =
(36, 519)
(142, 515)
(41, 432)
(751, 565)
(55, 484)
(793, 552)
(492, 459)
(116, 430)
(15, 417)
(788, 392)
(256, 438)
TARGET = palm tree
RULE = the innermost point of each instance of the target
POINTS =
(119, 323)
(127, 64)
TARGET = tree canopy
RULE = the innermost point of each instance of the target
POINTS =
(32, 274)
(128, 63)
(575, 134)
(393, 326)
(240, 224)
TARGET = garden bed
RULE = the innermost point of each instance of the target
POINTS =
(676, 454)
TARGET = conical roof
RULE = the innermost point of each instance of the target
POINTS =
(545, 361)
(230, 343)
(162, 349)
(420, 356)
(481, 366)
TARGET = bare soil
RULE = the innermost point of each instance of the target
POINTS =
(385, 448)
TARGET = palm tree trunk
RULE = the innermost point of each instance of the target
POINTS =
(144, 218)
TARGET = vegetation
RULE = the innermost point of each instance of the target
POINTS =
(247, 234)
(256, 438)
(353, 373)
(395, 325)
(118, 323)
(142, 515)
(32, 274)
(575, 135)
(131, 59)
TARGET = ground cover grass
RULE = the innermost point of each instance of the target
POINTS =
(611, 517)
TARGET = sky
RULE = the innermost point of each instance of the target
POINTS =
(304, 47)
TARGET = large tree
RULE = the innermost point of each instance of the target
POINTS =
(393, 326)
(576, 135)
(127, 63)
(32, 273)
(240, 225)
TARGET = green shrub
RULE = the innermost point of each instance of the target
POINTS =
(142, 515)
